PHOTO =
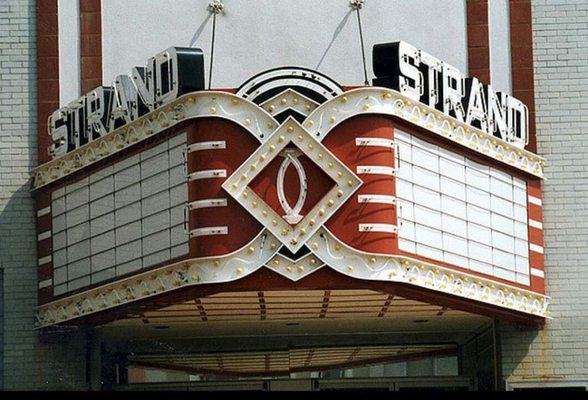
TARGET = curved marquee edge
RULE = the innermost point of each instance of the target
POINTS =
(197, 271)
(373, 100)
(360, 265)
(190, 106)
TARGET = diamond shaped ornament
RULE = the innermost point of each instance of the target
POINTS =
(292, 232)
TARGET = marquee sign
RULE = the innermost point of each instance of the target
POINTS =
(293, 173)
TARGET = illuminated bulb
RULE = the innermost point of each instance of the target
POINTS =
(312, 261)
(315, 246)
(300, 268)
(247, 121)
(272, 108)
(254, 204)
(387, 96)
(302, 231)
(245, 195)
(350, 183)
(300, 138)
(295, 100)
(310, 123)
(274, 222)
(337, 247)
(283, 101)
(281, 139)
(289, 268)
(262, 158)
(239, 270)
(310, 146)
(311, 222)
(330, 165)
(308, 107)
(213, 110)
(264, 213)
(339, 193)
(284, 232)
(349, 268)
(373, 260)
(272, 148)
(366, 107)
(293, 241)
(251, 249)
(216, 263)
(331, 202)
(276, 262)
(243, 177)
(270, 125)
(273, 246)
(196, 277)
(235, 185)
(320, 156)
(339, 174)
(332, 120)
(253, 167)
(290, 129)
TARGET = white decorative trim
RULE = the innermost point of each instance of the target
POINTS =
(361, 265)
(376, 198)
(209, 231)
(389, 102)
(203, 104)
(294, 270)
(45, 283)
(387, 228)
(346, 183)
(207, 174)
(152, 283)
(289, 100)
(375, 170)
(535, 224)
(45, 260)
(377, 142)
(212, 145)
(535, 200)
(535, 248)
(291, 157)
(207, 203)
(43, 211)
(537, 272)
(44, 235)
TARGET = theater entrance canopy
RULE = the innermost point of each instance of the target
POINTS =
(410, 205)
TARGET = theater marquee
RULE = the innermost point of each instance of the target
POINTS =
(157, 184)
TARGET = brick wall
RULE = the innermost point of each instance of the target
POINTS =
(560, 351)
(27, 362)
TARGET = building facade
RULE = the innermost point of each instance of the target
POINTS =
(267, 196)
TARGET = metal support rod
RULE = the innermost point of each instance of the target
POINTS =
(215, 7)
(357, 5)
(211, 51)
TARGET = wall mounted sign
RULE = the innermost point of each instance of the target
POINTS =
(169, 74)
(426, 79)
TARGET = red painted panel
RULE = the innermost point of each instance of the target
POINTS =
(345, 223)
(242, 227)
(318, 184)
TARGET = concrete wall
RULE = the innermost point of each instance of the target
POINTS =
(560, 351)
(250, 38)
